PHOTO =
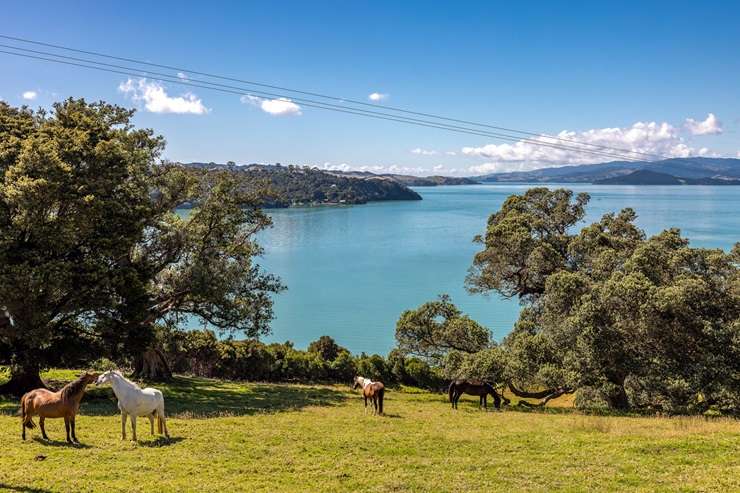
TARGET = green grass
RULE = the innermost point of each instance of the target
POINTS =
(254, 437)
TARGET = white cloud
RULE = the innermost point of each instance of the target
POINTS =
(423, 152)
(182, 76)
(392, 168)
(156, 100)
(377, 97)
(649, 139)
(709, 126)
(30, 95)
(451, 153)
(277, 107)
(336, 167)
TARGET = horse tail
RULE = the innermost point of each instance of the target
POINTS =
(26, 422)
(451, 390)
(380, 399)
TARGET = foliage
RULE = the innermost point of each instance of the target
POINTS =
(74, 196)
(201, 353)
(92, 253)
(326, 347)
(630, 320)
(435, 328)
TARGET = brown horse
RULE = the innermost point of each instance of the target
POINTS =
(62, 404)
(373, 391)
(473, 387)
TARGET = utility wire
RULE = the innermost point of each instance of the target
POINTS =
(333, 98)
(309, 103)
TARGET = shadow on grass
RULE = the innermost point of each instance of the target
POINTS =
(25, 489)
(59, 443)
(160, 442)
(207, 398)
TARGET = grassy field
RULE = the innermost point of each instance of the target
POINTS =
(251, 437)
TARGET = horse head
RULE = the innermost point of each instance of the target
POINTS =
(89, 377)
(105, 377)
(358, 382)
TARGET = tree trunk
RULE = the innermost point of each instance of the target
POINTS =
(152, 366)
(22, 380)
(617, 397)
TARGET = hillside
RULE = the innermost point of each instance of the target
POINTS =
(233, 436)
(413, 181)
(304, 186)
(648, 177)
(693, 168)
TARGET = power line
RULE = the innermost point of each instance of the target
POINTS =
(308, 103)
(333, 98)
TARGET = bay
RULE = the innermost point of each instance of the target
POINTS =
(352, 270)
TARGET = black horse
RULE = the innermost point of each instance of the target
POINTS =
(473, 387)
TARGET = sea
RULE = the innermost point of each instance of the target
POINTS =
(352, 270)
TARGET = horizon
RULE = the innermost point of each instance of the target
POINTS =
(486, 64)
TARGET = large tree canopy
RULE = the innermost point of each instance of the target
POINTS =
(91, 252)
(74, 196)
(626, 320)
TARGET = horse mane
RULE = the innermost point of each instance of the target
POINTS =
(73, 388)
(119, 374)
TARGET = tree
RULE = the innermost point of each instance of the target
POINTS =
(92, 253)
(326, 347)
(525, 242)
(635, 321)
(202, 265)
(74, 195)
(438, 327)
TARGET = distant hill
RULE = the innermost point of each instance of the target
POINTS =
(413, 181)
(690, 168)
(304, 186)
(648, 177)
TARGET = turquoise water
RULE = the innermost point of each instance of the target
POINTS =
(351, 271)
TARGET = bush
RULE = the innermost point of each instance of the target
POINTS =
(202, 353)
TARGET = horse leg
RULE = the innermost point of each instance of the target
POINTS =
(66, 427)
(133, 426)
(162, 422)
(123, 425)
(43, 429)
(485, 402)
(72, 422)
(23, 418)
(151, 422)
(375, 405)
(365, 412)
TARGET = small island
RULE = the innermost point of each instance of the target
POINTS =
(648, 177)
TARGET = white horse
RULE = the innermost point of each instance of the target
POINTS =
(134, 401)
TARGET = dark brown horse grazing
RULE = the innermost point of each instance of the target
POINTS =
(62, 404)
(473, 387)
(373, 391)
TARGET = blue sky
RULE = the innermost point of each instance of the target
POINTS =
(618, 74)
